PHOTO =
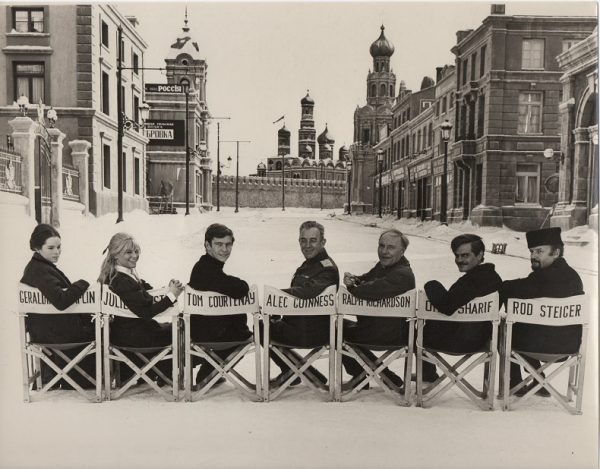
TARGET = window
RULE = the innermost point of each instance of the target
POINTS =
(135, 63)
(568, 43)
(373, 90)
(136, 109)
(482, 61)
(464, 71)
(105, 94)
(530, 113)
(391, 90)
(451, 101)
(29, 81)
(473, 65)
(28, 20)
(106, 161)
(382, 89)
(533, 54)
(527, 188)
(444, 105)
(124, 175)
(104, 34)
(136, 175)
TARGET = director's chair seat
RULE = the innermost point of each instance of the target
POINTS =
(33, 354)
(456, 373)
(115, 356)
(299, 365)
(533, 311)
(198, 302)
(401, 306)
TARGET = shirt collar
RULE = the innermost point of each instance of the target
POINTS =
(127, 271)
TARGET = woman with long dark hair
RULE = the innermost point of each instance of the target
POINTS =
(41, 273)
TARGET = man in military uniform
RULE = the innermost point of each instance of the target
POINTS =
(479, 279)
(390, 277)
(315, 274)
(552, 277)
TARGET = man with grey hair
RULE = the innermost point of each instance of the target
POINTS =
(315, 274)
(390, 277)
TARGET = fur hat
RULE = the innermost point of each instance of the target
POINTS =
(547, 236)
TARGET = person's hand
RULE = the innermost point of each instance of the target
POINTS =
(349, 279)
(176, 287)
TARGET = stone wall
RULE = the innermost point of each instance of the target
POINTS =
(266, 192)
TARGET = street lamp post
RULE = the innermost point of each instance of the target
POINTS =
(380, 170)
(321, 165)
(185, 84)
(349, 188)
(237, 169)
(282, 182)
(446, 127)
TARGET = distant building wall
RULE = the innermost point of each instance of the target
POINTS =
(266, 192)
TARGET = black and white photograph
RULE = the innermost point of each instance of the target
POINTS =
(321, 235)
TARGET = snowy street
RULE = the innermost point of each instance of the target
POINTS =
(299, 429)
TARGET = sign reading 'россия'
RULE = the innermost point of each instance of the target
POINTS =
(163, 88)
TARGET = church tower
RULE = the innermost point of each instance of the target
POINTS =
(381, 84)
(306, 133)
(326, 142)
(283, 141)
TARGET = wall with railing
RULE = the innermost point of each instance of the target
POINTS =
(10, 171)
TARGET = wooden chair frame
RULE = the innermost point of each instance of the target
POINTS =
(298, 367)
(115, 355)
(456, 374)
(223, 367)
(33, 354)
(555, 364)
(350, 305)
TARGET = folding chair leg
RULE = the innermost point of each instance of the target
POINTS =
(257, 355)
(24, 360)
(107, 362)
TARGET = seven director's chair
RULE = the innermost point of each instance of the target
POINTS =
(401, 306)
(484, 308)
(31, 300)
(208, 303)
(115, 355)
(554, 312)
(279, 303)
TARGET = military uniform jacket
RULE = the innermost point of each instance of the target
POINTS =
(310, 279)
(208, 275)
(558, 280)
(61, 293)
(378, 283)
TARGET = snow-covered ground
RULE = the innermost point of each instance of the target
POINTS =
(300, 430)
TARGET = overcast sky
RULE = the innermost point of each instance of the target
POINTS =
(262, 57)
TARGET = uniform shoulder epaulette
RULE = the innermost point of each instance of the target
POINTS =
(327, 263)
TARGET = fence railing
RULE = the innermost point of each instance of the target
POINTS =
(10, 171)
(70, 183)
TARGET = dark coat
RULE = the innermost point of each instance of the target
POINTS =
(378, 283)
(310, 279)
(142, 332)
(558, 280)
(208, 275)
(456, 336)
(61, 293)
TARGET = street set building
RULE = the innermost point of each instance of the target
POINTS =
(504, 152)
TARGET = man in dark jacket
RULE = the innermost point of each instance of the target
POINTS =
(390, 277)
(552, 277)
(208, 275)
(315, 274)
(480, 279)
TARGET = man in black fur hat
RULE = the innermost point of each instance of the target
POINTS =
(552, 277)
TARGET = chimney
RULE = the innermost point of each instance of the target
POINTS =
(133, 20)
(438, 74)
(460, 35)
(498, 8)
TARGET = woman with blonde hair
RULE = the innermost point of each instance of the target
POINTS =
(118, 271)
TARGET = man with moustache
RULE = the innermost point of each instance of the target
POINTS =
(208, 275)
(551, 277)
(479, 279)
(315, 274)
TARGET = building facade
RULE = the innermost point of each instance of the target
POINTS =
(505, 153)
(578, 113)
(66, 57)
(171, 130)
